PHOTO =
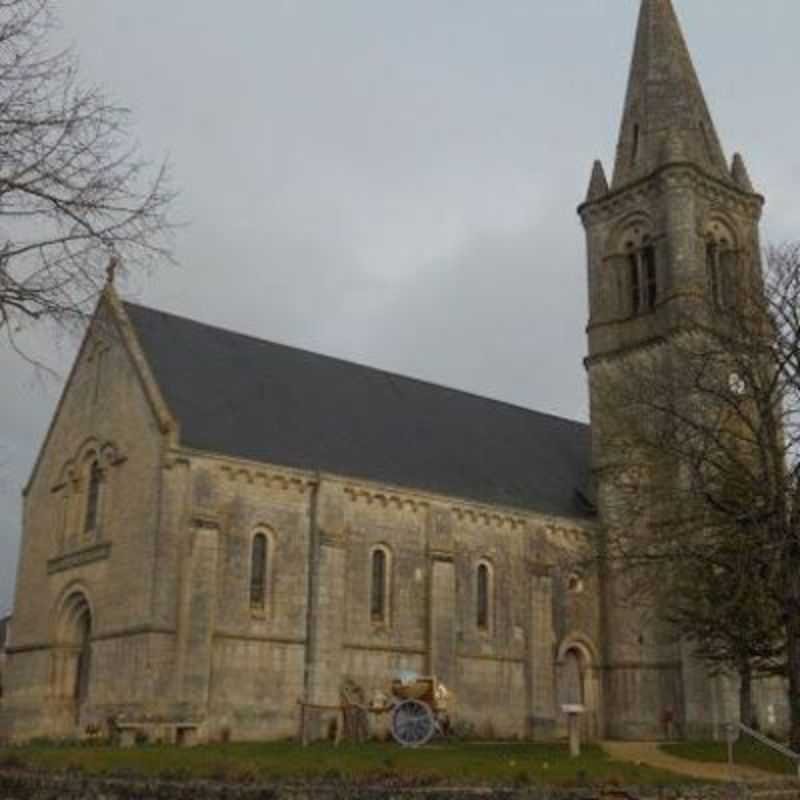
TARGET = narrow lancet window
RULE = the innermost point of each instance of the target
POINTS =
(484, 589)
(92, 498)
(258, 571)
(378, 586)
(636, 138)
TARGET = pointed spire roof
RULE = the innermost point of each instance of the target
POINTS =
(664, 101)
(598, 183)
(740, 174)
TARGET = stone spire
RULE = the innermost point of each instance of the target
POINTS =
(664, 101)
(740, 174)
(598, 183)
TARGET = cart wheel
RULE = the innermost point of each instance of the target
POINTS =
(412, 723)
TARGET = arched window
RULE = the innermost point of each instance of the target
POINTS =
(573, 688)
(92, 498)
(636, 140)
(721, 263)
(259, 556)
(484, 596)
(379, 585)
(642, 272)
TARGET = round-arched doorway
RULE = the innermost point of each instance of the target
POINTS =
(578, 682)
(72, 659)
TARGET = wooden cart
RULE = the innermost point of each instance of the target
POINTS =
(419, 710)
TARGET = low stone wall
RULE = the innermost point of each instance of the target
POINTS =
(24, 785)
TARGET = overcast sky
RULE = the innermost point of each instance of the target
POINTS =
(395, 181)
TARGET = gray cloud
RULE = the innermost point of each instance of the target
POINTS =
(396, 182)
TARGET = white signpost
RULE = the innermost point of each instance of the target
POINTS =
(574, 713)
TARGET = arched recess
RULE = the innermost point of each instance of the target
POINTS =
(380, 585)
(634, 228)
(633, 261)
(484, 596)
(83, 487)
(262, 554)
(578, 681)
(71, 664)
(724, 260)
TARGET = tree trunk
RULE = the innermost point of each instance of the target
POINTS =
(746, 715)
(793, 664)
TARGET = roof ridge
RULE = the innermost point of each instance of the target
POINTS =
(339, 359)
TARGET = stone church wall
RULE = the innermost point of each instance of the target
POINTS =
(164, 579)
(104, 416)
(257, 654)
(322, 532)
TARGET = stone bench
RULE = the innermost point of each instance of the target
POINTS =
(183, 734)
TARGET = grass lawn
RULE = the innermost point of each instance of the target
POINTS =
(507, 763)
(745, 751)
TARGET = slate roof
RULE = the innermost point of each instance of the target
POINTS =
(244, 397)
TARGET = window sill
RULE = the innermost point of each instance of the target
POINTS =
(79, 558)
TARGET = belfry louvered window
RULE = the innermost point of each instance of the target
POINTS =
(643, 276)
(721, 265)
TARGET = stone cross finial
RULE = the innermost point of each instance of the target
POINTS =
(111, 269)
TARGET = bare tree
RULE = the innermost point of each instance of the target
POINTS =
(74, 190)
(704, 456)
(732, 624)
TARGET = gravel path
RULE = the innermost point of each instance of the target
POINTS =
(650, 754)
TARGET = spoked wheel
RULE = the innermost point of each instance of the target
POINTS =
(412, 723)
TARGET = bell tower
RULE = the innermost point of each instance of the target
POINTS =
(665, 239)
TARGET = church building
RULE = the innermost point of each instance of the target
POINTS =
(218, 526)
